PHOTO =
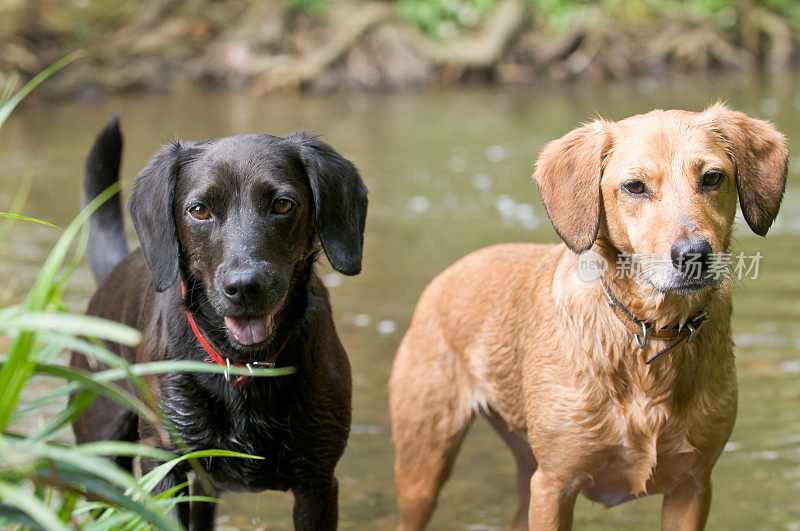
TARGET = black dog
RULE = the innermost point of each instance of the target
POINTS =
(229, 231)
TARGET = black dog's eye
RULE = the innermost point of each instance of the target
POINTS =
(712, 179)
(635, 187)
(282, 206)
(200, 211)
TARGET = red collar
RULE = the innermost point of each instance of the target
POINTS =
(224, 361)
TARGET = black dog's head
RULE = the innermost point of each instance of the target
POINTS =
(239, 214)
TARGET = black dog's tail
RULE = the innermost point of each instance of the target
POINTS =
(107, 245)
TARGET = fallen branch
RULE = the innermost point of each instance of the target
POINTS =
(152, 12)
(484, 51)
(294, 73)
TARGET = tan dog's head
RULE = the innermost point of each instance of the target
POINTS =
(663, 187)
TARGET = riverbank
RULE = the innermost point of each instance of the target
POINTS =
(280, 45)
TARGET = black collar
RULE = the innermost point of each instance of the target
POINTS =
(643, 330)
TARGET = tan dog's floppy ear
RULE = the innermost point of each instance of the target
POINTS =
(760, 157)
(568, 175)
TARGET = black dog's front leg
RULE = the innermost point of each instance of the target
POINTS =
(202, 518)
(316, 506)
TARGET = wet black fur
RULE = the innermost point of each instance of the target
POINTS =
(298, 423)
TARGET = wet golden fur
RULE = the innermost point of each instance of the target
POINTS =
(512, 333)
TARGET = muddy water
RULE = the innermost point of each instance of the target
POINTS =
(448, 173)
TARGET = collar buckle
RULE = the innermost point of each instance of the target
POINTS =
(641, 342)
(695, 324)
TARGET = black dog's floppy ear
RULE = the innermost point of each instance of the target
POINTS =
(151, 206)
(568, 174)
(340, 200)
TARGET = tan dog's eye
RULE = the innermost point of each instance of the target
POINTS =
(200, 211)
(712, 179)
(282, 206)
(635, 187)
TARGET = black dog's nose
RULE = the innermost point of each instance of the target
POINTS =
(691, 257)
(244, 287)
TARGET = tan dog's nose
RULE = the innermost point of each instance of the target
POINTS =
(691, 256)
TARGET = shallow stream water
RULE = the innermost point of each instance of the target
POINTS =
(448, 173)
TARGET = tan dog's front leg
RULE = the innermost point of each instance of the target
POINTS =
(552, 502)
(686, 507)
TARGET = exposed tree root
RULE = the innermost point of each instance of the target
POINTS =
(699, 48)
(294, 73)
(482, 51)
(757, 24)
(599, 51)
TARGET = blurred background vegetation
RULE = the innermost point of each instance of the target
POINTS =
(269, 45)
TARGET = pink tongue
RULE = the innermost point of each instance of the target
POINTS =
(247, 331)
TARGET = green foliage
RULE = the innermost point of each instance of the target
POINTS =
(9, 101)
(26, 218)
(788, 8)
(45, 484)
(559, 14)
(87, 21)
(443, 19)
(317, 8)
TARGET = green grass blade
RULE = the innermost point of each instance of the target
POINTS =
(87, 507)
(26, 218)
(165, 367)
(176, 490)
(122, 370)
(32, 407)
(86, 347)
(66, 460)
(74, 408)
(151, 479)
(114, 520)
(103, 448)
(91, 347)
(13, 101)
(10, 517)
(61, 477)
(9, 88)
(39, 294)
(19, 364)
(14, 372)
(77, 258)
(16, 205)
(187, 499)
(145, 507)
(107, 389)
(18, 497)
(48, 352)
(67, 505)
(83, 325)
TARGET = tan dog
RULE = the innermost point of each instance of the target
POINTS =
(514, 333)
